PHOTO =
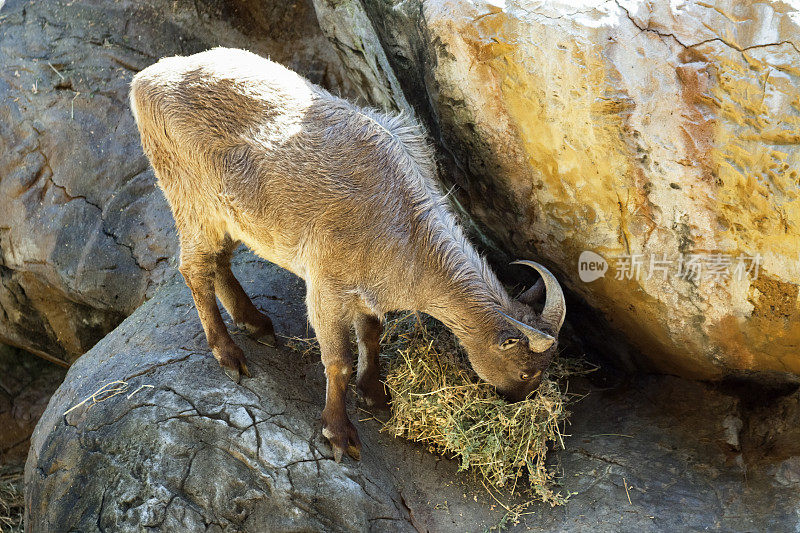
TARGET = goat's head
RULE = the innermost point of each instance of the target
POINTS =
(516, 347)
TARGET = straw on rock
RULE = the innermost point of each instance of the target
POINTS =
(438, 399)
(11, 500)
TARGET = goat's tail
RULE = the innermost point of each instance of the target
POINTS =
(144, 100)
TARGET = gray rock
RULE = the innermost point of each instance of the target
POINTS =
(658, 455)
(85, 235)
(184, 448)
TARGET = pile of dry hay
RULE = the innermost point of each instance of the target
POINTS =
(438, 399)
(12, 505)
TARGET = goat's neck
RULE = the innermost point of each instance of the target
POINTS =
(466, 307)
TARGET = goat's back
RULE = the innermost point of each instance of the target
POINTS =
(283, 165)
(216, 101)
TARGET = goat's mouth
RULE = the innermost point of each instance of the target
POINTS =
(520, 393)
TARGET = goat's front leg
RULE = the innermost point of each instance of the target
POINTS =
(368, 332)
(198, 271)
(333, 334)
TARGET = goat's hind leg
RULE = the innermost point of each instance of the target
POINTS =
(235, 299)
(198, 265)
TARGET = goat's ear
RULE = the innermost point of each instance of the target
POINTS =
(509, 342)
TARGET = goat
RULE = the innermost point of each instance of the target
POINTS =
(345, 197)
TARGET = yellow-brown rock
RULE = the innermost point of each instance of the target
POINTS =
(664, 132)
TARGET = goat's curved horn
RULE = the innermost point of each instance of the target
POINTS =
(555, 309)
(539, 341)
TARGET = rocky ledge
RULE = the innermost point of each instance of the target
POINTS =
(172, 444)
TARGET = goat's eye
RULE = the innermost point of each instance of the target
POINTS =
(524, 376)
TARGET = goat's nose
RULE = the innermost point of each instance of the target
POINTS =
(512, 396)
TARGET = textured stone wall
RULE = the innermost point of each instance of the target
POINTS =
(665, 132)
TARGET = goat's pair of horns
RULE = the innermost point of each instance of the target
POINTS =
(554, 311)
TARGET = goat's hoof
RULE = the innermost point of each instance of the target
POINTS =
(233, 362)
(351, 450)
(376, 397)
(267, 339)
(235, 375)
(263, 335)
(343, 440)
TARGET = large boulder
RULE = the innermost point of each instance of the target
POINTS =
(183, 448)
(85, 236)
(172, 444)
(636, 131)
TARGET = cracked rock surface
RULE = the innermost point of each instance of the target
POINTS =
(183, 448)
(85, 235)
(647, 131)
(186, 449)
